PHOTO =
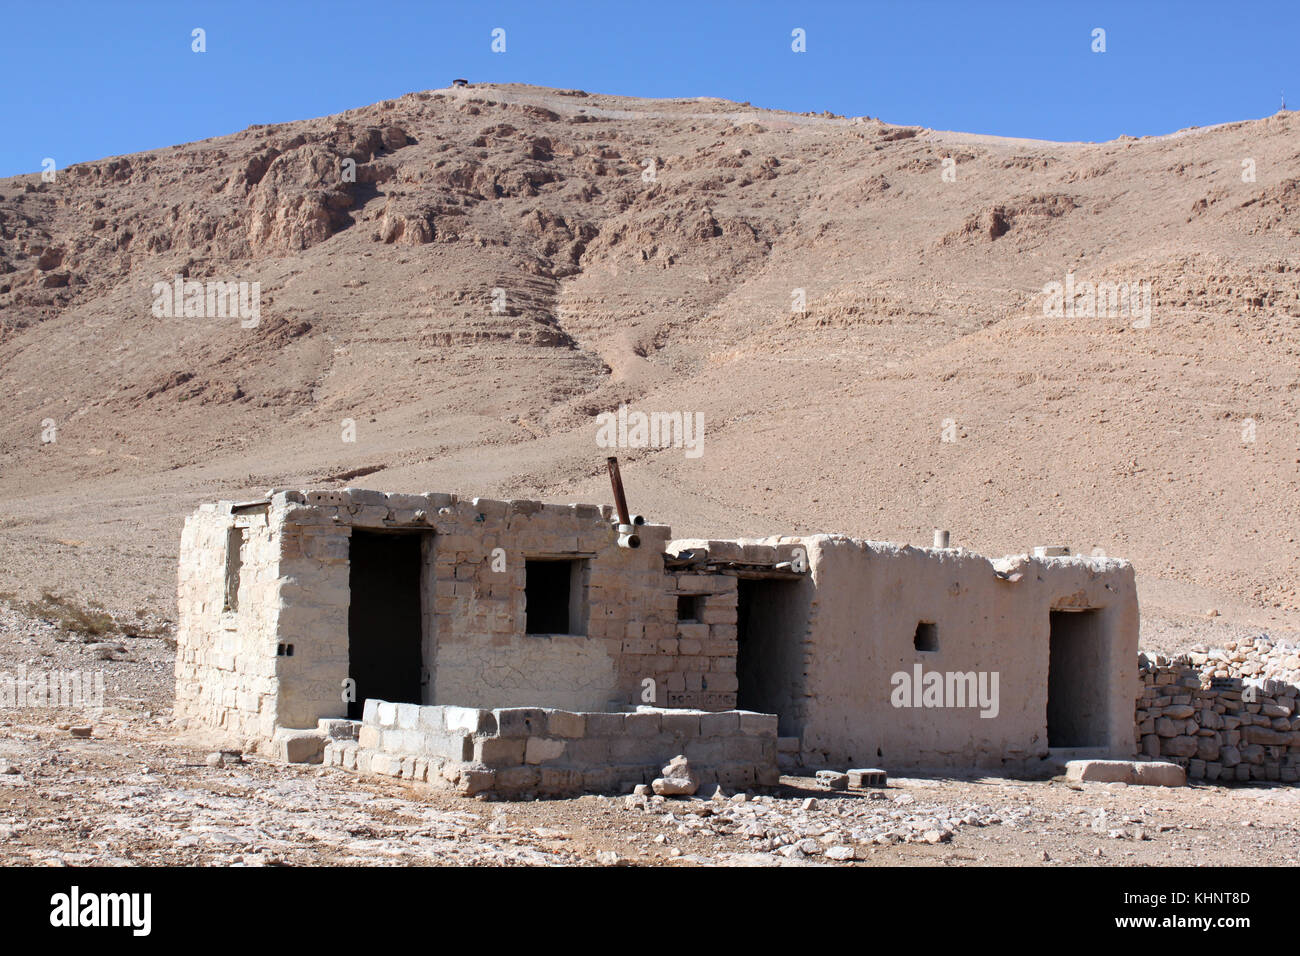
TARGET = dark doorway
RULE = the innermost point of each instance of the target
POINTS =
(771, 620)
(1077, 680)
(385, 633)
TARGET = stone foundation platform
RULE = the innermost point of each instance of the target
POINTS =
(525, 751)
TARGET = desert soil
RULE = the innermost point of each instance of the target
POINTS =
(135, 793)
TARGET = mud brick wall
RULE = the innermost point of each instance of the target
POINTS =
(1198, 711)
(864, 603)
(527, 751)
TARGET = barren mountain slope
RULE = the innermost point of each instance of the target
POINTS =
(648, 252)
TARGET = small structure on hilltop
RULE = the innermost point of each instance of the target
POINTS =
(524, 647)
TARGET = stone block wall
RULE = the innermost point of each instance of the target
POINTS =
(284, 653)
(477, 650)
(831, 641)
(1213, 713)
(227, 657)
(526, 751)
(310, 603)
(696, 666)
(700, 671)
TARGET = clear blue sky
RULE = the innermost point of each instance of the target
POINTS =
(84, 80)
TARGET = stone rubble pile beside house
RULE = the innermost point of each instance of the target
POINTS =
(835, 829)
(1226, 713)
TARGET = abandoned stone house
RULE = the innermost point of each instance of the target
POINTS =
(528, 647)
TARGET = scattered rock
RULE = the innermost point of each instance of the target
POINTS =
(678, 779)
(1144, 773)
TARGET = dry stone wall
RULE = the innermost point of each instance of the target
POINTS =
(1224, 714)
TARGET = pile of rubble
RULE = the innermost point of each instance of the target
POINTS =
(840, 828)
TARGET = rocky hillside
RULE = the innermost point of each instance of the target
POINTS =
(461, 280)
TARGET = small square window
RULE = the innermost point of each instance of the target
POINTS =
(689, 607)
(926, 637)
(555, 596)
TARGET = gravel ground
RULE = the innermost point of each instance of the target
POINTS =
(134, 793)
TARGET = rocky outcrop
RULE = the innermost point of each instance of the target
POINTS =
(300, 201)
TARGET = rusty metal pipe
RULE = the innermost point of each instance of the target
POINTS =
(620, 500)
(627, 536)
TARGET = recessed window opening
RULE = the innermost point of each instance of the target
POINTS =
(689, 607)
(926, 637)
(555, 596)
(235, 540)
